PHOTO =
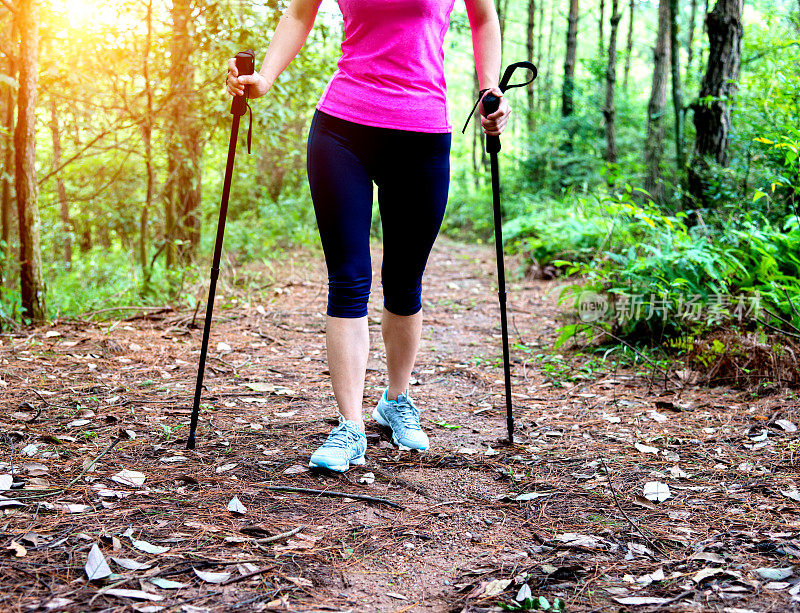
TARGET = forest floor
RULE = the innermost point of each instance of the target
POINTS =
(93, 419)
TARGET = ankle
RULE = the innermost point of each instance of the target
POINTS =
(393, 393)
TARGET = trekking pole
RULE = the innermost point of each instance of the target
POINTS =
(245, 65)
(490, 104)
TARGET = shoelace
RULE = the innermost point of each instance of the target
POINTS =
(341, 436)
(408, 413)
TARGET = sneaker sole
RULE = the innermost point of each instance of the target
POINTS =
(339, 468)
(376, 415)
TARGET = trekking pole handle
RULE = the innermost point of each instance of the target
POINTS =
(490, 104)
(245, 65)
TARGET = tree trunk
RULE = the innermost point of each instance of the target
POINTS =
(677, 96)
(568, 87)
(690, 40)
(609, 112)
(601, 44)
(8, 160)
(629, 44)
(31, 287)
(502, 12)
(61, 191)
(712, 120)
(540, 50)
(654, 143)
(546, 98)
(530, 31)
(147, 137)
(185, 133)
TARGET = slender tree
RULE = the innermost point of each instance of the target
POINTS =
(147, 138)
(61, 190)
(546, 98)
(31, 286)
(712, 114)
(690, 39)
(601, 44)
(654, 142)
(677, 95)
(609, 112)
(530, 29)
(568, 87)
(539, 51)
(8, 154)
(629, 44)
(183, 195)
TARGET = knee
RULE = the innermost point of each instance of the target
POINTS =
(348, 292)
(402, 296)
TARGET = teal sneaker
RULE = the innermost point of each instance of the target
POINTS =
(345, 445)
(402, 416)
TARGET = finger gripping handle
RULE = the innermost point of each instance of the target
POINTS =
(245, 65)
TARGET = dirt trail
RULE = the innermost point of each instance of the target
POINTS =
(589, 439)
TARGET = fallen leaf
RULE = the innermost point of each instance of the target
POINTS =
(167, 584)
(18, 550)
(212, 577)
(129, 564)
(645, 448)
(235, 506)
(656, 491)
(136, 594)
(300, 581)
(5, 482)
(786, 425)
(657, 575)
(582, 540)
(296, 470)
(149, 547)
(533, 495)
(775, 574)
(641, 600)
(226, 467)
(396, 595)
(57, 603)
(223, 347)
(708, 556)
(792, 494)
(524, 593)
(676, 472)
(96, 565)
(131, 478)
(495, 587)
(704, 574)
(367, 478)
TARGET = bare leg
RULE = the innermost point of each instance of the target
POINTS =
(348, 350)
(401, 335)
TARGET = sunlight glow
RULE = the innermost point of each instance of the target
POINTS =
(87, 13)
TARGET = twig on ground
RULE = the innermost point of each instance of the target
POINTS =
(305, 490)
(278, 537)
(624, 514)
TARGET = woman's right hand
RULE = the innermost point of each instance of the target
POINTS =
(235, 84)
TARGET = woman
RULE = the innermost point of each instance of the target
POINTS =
(382, 118)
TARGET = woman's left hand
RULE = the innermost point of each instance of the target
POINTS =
(495, 123)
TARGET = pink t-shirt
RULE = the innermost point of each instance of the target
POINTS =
(391, 73)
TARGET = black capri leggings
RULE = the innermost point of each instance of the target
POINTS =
(412, 172)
